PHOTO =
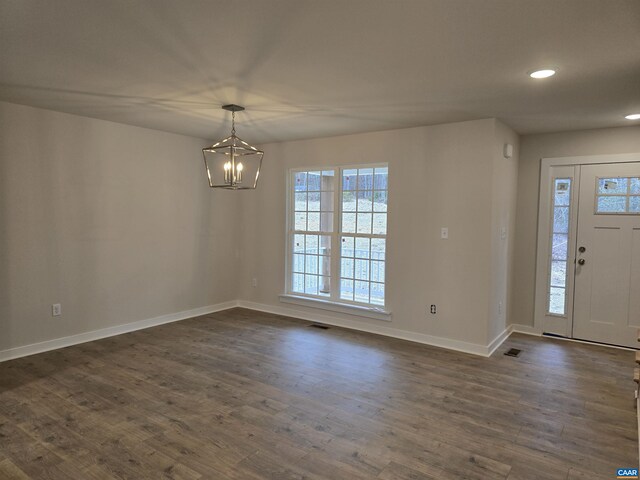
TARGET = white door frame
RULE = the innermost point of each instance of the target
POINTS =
(566, 166)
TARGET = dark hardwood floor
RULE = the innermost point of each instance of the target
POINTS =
(246, 395)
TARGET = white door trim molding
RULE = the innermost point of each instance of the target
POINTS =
(589, 160)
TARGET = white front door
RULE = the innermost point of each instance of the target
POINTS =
(606, 304)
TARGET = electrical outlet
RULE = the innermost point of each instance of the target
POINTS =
(254, 282)
(56, 310)
(433, 309)
(499, 308)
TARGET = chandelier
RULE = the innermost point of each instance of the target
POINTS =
(232, 163)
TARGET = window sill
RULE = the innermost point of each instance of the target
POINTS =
(377, 313)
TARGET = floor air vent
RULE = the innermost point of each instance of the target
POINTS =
(317, 325)
(512, 352)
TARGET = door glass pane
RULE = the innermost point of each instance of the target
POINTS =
(561, 197)
(611, 186)
(556, 301)
(634, 204)
(635, 186)
(561, 219)
(562, 192)
(559, 246)
(558, 273)
(607, 204)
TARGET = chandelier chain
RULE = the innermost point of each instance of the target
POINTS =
(233, 123)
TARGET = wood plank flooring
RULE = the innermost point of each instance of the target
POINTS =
(247, 395)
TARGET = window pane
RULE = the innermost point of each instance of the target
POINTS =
(346, 268)
(313, 221)
(377, 293)
(300, 221)
(326, 222)
(559, 246)
(298, 262)
(326, 201)
(349, 179)
(380, 178)
(378, 246)
(561, 220)
(327, 181)
(365, 201)
(311, 284)
(349, 222)
(313, 181)
(556, 301)
(300, 181)
(348, 202)
(301, 201)
(612, 204)
(364, 223)
(361, 293)
(298, 243)
(380, 223)
(634, 204)
(347, 246)
(324, 287)
(324, 265)
(562, 192)
(635, 186)
(609, 186)
(558, 273)
(311, 264)
(362, 247)
(362, 270)
(312, 244)
(297, 284)
(379, 201)
(325, 245)
(377, 271)
(314, 202)
(365, 179)
(346, 289)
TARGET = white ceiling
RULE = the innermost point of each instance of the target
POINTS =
(313, 68)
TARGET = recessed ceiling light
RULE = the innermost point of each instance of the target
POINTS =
(544, 73)
(633, 116)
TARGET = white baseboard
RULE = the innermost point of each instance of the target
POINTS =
(499, 340)
(56, 343)
(353, 324)
(526, 329)
(466, 347)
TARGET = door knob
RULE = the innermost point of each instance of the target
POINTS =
(582, 249)
(581, 261)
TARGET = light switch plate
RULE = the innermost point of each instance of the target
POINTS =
(444, 232)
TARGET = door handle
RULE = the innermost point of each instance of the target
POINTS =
(581, 261)
(582, 249)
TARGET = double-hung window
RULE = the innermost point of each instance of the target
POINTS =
(337, 229)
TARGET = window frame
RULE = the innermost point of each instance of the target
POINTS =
(333, 300)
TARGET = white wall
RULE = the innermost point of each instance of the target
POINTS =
(503, 216)
(118, 225)
(534, 148)
(114, 222)
(439, 176)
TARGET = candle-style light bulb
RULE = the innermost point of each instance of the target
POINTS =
(239, 169)
(227, 167)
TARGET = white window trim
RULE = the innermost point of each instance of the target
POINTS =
(332, 303)
(339, 307)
